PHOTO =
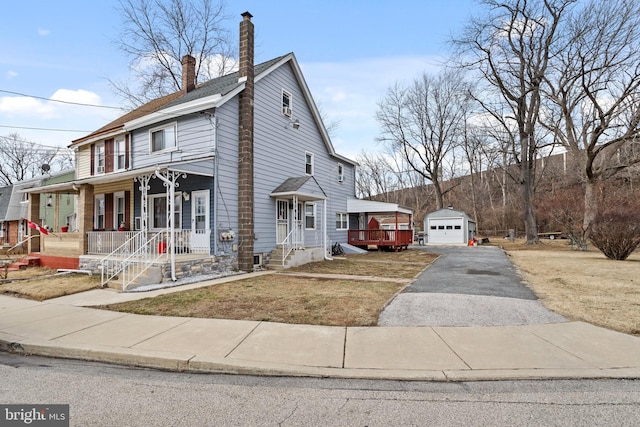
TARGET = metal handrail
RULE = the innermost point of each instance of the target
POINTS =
(109, 262)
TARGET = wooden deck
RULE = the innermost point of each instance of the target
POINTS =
(383, 239)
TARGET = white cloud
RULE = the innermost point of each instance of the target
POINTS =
(43, 32)
(79, 96)
(14, 106)
(11, 74)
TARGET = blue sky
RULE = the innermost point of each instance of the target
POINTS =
(350, 53)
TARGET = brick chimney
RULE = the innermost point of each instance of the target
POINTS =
(245, 147)
(188, 73)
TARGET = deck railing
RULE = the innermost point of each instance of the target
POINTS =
(379, 237)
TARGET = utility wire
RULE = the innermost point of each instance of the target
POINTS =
(63, 102)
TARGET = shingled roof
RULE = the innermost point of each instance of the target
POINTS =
(218, 86)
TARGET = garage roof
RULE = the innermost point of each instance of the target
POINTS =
(370, 206)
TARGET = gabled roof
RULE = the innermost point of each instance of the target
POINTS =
(208, 95)
(5, 198)
(305, 187)
(218, 86)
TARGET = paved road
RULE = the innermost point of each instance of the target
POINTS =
(467, 286)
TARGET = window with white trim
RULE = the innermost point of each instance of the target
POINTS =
(119, 153)
(158, 211)
(98, 210)
(99, 158)
(342, 221)
(118, 209)
(308, 163)
(163, 139)
(310, 216)
(340, 172)
(287, 104)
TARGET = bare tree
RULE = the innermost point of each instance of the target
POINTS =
(424, 122)
(374, 175)
(21, 159)
(511, 47)
(595, 94)
(156, 34)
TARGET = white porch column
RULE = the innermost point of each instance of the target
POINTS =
(170, 179)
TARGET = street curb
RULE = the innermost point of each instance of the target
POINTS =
(189, 363)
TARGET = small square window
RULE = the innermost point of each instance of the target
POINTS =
(163, 138)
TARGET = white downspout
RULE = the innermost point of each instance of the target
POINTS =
(216, 187)
(324, 231)
(172, 195)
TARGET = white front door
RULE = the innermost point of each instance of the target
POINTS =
(282, 221)
(200, 231)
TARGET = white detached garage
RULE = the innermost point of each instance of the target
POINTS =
(448, 226)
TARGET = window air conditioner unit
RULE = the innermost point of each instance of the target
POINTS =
(286, 111)
(100, 169)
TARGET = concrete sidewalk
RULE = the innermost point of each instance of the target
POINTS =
(59, 328)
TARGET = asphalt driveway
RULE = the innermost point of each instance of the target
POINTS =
(467, 286)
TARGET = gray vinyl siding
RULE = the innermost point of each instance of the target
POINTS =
(280, 154)
(195, 136)
(227, 188)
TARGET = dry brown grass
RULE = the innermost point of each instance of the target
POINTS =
(582, 285)
(40, 283)
(403, 265)
(276, 298)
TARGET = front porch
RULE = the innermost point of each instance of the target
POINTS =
(381, 224)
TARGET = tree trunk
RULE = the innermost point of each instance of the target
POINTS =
(439, 198)
(590, 208)
(528, 210)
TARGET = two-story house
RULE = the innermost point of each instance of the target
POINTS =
(228, 174)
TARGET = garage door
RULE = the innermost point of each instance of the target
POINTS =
(446, 230)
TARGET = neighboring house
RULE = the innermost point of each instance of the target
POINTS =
(448, 226)
(5, 197)
(214, 177)
(52, 210)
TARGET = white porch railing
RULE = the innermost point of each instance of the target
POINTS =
(137, 253)
(287, 246)
(187, 241)
(106, 242)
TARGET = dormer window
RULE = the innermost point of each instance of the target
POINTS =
(163, 139)
(286, 103)
(99, 159)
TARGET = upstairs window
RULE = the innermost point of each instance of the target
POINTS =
(308, 167)
(340, 172)
(163, 139)
(99, 158)
(120, 153)
(286, 103)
